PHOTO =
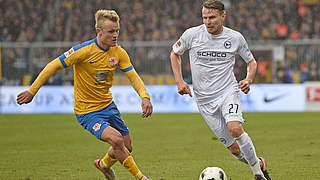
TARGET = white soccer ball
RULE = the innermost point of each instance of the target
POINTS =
(213, 173)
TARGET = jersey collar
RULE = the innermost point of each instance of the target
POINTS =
(96, 41)
(215, 36)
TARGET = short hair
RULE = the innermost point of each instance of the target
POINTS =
(213, 4)
(103, 14)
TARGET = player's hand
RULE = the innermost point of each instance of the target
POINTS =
(244, 85)
(146, 107)
(183, 88)
(24, 98)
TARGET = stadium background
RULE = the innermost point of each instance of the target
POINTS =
(284, 36)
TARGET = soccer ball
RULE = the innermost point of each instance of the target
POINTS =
(213, 173)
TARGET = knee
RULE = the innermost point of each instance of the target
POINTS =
(235, 130)
(117, 142)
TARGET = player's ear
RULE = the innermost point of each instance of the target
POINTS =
(98, 30)
(224, 14)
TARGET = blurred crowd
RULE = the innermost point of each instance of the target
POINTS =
(165, 20)
(148, 20)
(275, 19)
(302, 63)
(23, 20)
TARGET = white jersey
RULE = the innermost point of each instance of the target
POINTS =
(212, 58)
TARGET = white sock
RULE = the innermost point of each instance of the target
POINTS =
(240, 157)
(249, 153)
(256, 169)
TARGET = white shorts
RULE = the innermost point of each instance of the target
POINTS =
(218, 113)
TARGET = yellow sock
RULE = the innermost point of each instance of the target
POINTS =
(107, 161)
(131, 166)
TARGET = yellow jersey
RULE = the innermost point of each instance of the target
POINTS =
(94, 68)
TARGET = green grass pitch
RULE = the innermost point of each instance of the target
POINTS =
(165, 147)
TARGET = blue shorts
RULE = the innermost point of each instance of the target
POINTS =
(95, 122)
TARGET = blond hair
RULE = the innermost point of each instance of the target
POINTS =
(103, 14)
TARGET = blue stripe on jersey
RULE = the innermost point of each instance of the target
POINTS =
(127, 69)
(75, 48)
(87, 43)
(104, 50)
(62, 62)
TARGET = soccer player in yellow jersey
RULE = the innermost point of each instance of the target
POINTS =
(94, 63)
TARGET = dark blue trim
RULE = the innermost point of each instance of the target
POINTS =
(127, 69)
(87, 43)
(76, 48)
(104, 50)
(62, 61)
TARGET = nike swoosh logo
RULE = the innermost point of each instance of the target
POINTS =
(268, 100)
(91, 62)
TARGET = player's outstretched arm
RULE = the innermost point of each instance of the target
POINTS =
(244, 84)
(183, 87)
(27, 96)
(140, 88)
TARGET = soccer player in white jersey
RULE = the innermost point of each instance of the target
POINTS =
(212, 49)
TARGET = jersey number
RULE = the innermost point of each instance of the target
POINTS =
(102, 75)
(233, 108)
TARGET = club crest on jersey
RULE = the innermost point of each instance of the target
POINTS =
(113, 61)
(96, 127)
(69, 52)
(178, 44)
(227, 44)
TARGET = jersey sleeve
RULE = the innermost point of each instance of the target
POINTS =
(135, 80)
(183, 43)
(137, 84)
(44, 75)
(244, 50)
(73, 56)
(124, 61)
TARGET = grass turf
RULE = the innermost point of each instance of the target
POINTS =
(165, 147)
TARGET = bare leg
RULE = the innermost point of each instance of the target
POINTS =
(127, 143)
(116, 141)
(120, 150)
